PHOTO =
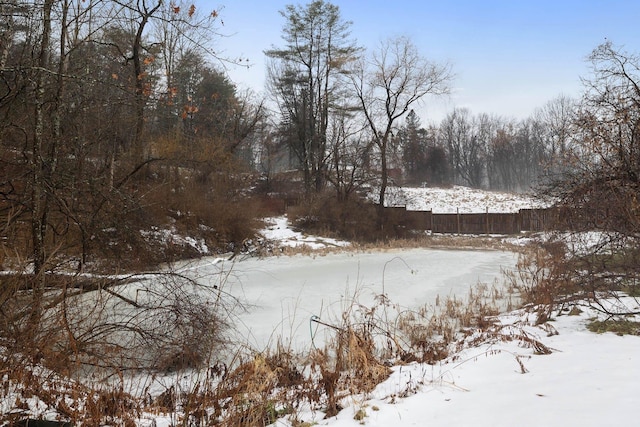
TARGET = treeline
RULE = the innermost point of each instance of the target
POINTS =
(346, 117)
(484, 151)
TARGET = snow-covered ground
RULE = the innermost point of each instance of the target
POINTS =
(279, 230)
(587, 380)
(459, 199)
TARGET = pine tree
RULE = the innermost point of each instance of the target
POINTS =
(304, 79)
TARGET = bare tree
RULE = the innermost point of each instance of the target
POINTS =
(557, 119)
(387, 84)
(602, 186)
(466, 139)
(515, 155)
(39, 194)
(349, 148)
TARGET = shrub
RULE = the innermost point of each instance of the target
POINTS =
(354, 219)
(545, 278)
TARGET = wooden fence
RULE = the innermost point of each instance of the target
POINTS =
(467, 223)
(479, 223)
(476, 223)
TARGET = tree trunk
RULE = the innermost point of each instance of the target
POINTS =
(38, 168)
(139, 150)
(384, 181)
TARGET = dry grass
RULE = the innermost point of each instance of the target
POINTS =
(617, 326)
(35, 392)
(418, 241)
(259, 390)
(430, 332)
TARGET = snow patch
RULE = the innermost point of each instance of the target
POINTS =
(278, 229)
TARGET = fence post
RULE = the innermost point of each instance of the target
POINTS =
(458, 219)
(486, 230)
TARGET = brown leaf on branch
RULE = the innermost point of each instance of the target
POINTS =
(190, 109)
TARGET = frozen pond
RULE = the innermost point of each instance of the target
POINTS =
(282, 293)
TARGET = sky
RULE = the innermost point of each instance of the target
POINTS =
(509, 57)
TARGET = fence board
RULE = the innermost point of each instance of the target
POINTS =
(444, 223)
(504, 223)
(540, 219)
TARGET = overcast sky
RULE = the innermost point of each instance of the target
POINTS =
(510, 57)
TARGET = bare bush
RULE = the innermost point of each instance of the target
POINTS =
(108, 327)
(545, 278)
(600, 183)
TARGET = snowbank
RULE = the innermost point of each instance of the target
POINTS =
(587, 380)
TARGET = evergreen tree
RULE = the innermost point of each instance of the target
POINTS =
(304, 79)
